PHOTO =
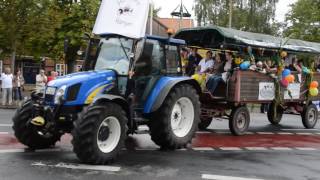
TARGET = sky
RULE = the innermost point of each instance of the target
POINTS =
(167, 6)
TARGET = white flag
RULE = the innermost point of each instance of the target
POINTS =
(124, 17)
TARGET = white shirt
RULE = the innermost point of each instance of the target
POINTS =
(6, 80)
(205, 65)
(40, 82)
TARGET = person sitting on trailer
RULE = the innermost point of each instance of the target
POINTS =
(193, 61)
(296, 65)
(206, 64)
(213, 81)
(258, 67)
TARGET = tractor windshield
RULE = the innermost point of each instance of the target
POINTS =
(114, 54)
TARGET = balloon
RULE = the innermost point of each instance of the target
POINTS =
(284, 54)
(314, 84)
(284, 83)
(313, 91)
(238, 61)
(290, 78)
(245, 65)
(305, 70)
(286, 73)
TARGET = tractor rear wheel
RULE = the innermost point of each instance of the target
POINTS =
(99, 133)
(174, 124)
(27, 133)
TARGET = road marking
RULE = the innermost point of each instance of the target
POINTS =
(304, 133)
(285, 133)
(2, 151)
(5, 125)
(203, 132)
(217, 177)
(4, 133)
(281, 148)
(265, 133)
(203, 149)
(300, 129)
(318, 133)
(250, 133)
(230, 149)
(80, 166)
(306, 149)
(256, 148)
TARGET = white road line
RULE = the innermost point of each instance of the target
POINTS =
(217, 177)
(203, 149)
(256, 148)
(304, 133)
(80, 166)
(300, 129)
(5, 125)
(281, 148)
(318, 133)
(203, 132)
(4, 133)
(265, 133)
(306, 149)
(230, 149)
(146, 149)
(250, 133)
(3, 151)
(285, 133)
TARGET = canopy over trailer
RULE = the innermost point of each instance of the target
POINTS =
(220, 37)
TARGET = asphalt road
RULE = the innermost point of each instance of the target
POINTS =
(286, 152)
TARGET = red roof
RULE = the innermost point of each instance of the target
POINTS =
(173, 23)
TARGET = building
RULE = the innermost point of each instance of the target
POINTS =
(161, 25)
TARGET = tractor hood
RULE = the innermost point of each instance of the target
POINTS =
(80, 88)
(82, 77)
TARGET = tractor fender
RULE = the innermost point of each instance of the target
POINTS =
(162, 89)
(103, 98)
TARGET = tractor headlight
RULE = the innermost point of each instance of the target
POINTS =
(60, 94)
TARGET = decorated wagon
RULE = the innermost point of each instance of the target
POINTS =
(281, 89)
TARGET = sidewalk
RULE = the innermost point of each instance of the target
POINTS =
(14, 105)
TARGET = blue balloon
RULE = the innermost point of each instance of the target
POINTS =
(245, 65)
(286, 73)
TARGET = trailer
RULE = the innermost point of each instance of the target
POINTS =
(243, 87)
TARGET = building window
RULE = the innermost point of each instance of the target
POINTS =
(61, 69)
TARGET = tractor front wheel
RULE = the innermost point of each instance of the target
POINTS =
(174, 124)
(26, 133)
(99, 133)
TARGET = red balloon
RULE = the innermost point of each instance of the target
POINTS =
(284, 83)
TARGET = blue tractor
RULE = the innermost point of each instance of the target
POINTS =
(125, 83)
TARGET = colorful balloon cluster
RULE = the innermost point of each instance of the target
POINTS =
(287, 78)
(305, 70)
(313, 89)
(245, 65)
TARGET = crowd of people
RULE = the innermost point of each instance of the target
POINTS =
(12, 85)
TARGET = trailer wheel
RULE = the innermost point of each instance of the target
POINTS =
(239, 120)
(174, 124)
(26, 133)
(99, 133)
(275, 120)
(309, 116)
(204, 123)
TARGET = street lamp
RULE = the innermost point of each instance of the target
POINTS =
(183, 12)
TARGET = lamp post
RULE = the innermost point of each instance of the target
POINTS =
(151, 17)
(183, 12)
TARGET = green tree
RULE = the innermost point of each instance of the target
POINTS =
(303, 20)
(248, 15)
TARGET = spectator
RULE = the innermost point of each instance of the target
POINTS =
(52, 76)
(193, 61)
(41, 80)
(7, 85)
(206, 64)
(18, 82)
